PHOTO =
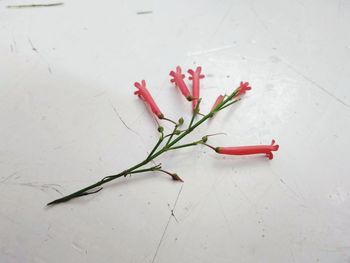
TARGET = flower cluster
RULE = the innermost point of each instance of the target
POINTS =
(170, 141)
(195, 76)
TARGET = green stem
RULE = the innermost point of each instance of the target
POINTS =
(211, 147)
(107, 179)
(156, 146)
(195, 112)
(171, 135)
(229, 104)
(185, 145)
(154, 153)
(169, 120)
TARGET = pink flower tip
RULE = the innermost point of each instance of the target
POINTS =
(243, 87)
(178, 79)
(273, 148)
(177, 75)
(195, 74)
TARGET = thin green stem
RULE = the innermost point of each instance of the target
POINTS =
(185, 145)
(166, 119)
(211, 147)
(171, 136)
(156, 146)
(229, 104)
(106, 179)
(192, 119)
(227, 99)
(155, 152)
(151, 169)
(195, 113)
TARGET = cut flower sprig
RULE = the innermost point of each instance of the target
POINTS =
(170, 141)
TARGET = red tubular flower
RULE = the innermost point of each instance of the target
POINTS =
(195, 77)
(247, 150)
(218, 100)
(243, 87)
(144, 94)
(178, 79)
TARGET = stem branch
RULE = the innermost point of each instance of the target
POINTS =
(155, 152)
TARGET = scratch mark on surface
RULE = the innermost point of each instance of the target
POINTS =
(33, 47)
(336, 249)
(222, 20)
(8, 177)
(77, 247)
(315, 84)
(144, 12)
(100, 94)
(261, 21)
(202, 200)
(297, 195)
(64, 145)
(14, 45)
(10, 219)
(121, 119)
(42, 58)
(167, 225)
(172, 213)
(243, 193)
(208, 51)
(42, 187)
(48, 237)
(266, 190)
(34, 5)
(223, 214)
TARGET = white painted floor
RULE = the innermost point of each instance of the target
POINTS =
(66, 82)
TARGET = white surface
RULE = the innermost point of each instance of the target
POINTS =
(60, 131)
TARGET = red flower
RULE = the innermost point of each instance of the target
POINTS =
(218, 100)
(195, 77)
(243, 87)
(247, 150)
(178, 79)
(144, 94)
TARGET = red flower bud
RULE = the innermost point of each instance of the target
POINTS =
(178, 79)
(247, 150)
(144, 94)
(218, 100)
(243, 87)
